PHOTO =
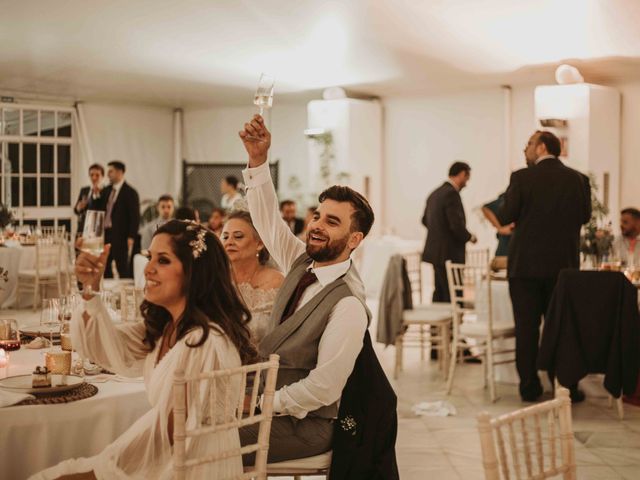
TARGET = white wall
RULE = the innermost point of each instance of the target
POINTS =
(630, 145)
(423, 137)
(211, 136)
(139, 136)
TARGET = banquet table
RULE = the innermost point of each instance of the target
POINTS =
(14, 258)
(34, 437)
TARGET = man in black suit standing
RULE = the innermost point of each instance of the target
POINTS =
(122, 220)
(549, 202)
(89, 197)
(447, 232)
(288, 212)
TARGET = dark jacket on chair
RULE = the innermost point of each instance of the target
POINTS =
(364, 435)
(548, 202)
(447, 233)
(593, 326)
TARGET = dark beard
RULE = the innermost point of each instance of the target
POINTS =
(331, 251)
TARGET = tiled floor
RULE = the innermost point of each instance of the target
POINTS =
(448, 448)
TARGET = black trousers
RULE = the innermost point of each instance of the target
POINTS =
(119, 253)
(440, 283)
(530, 299)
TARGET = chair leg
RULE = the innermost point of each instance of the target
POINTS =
(422, 343)
(620, 407)
(490, 375)
(444, 350)
(398, 368)
(452, 365)
(36, 292)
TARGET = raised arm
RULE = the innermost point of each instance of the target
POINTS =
(281, 243)
(119, 348)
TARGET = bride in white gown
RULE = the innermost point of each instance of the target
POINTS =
(258, 284)
(194, 319)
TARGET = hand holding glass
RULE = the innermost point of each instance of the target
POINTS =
(93, 236)
(264, 93)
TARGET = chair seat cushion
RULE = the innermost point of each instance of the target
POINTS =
(481, 329)
(317, 462)
(427, 315)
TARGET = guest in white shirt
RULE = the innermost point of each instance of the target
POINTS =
(319, 316)
(230, 193)
(626, 246)
(165, 207)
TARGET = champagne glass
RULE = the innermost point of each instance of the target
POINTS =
(49, 316)
(93, 236)
(264, 93)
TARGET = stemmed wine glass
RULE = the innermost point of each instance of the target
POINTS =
(50, 316)
(264, 93)
(93, 236)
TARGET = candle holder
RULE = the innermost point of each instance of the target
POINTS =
(9, 334)
(58, 362)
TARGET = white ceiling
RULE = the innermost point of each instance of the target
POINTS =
(206, 52)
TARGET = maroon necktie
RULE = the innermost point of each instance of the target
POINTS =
(307, 279)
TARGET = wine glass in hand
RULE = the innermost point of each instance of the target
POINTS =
(264, 93)
(256, 139)
(93, 235)
(89, 270)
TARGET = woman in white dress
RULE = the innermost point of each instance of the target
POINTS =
(193, 319)
(257, 282)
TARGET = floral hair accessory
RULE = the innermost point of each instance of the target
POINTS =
(198, 245)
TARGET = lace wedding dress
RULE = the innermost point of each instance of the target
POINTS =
(260, 303)
(144, 450)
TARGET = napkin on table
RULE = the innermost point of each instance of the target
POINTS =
(11, 398)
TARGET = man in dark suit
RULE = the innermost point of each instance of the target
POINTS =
(447, 232)
(288, 212)
(549, 202)
(89, 197)
(122, 220)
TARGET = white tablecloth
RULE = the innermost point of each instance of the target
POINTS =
(502, 313)
(34, 437)
(9, 266)
(376, 253)
(17, 258)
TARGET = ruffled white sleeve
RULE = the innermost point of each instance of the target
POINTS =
(116, 347)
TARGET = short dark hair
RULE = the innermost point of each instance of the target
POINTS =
(634, 212)
(97, 166)
(165, 198)
(550, 141)
(118, 165)
(221, 211)
(458, 167)
(231, 180)
(284, 203)
(362, 217)
(185, 213)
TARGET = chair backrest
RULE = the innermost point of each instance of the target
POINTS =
(47, 255)
(57, 232)
(477, 257)
(130, 300)
(465, 287)
(414, 271)
(534, 442)
(228, 417)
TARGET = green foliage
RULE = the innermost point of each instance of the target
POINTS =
(5, 216)
(597, 238)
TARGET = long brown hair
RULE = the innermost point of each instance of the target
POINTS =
(211, 297)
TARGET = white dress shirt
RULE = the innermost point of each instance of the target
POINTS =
(341, 341)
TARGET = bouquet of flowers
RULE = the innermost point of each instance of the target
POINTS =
(596, 240)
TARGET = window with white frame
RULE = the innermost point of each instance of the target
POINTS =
(36, 163)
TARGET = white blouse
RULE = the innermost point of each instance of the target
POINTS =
(144, 450)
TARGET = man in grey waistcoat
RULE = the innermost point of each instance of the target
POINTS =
(319, 316)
